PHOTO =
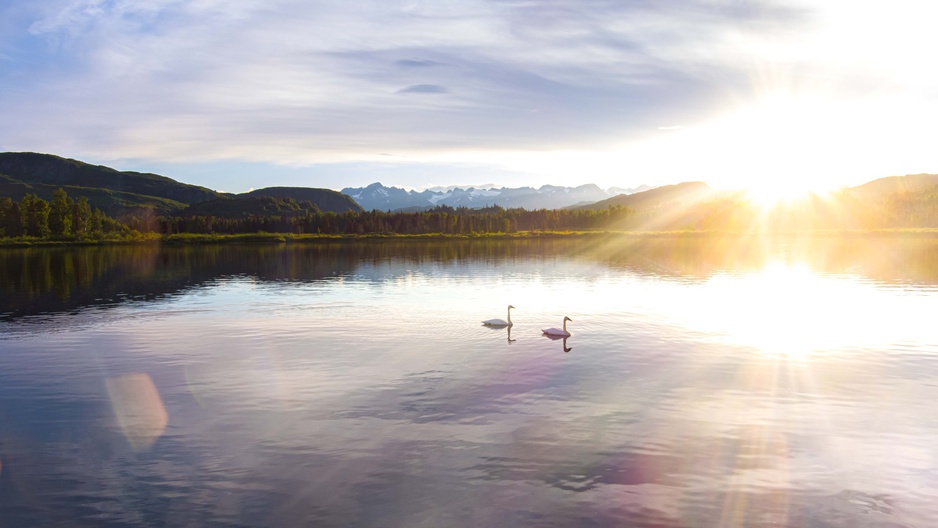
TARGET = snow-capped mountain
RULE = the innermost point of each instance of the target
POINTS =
(377, 196)
(615, 191)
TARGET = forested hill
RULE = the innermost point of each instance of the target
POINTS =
(120, 193)
(110, 190)
(324, 199)
(149, 202)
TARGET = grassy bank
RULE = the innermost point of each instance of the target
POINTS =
(290, 238)
(26, 241)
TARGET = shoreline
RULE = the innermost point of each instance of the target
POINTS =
(290, 238)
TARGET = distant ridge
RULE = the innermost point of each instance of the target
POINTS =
(896, 184)
(127, 192)
(681, 193)
(615, 191)
(325, 199)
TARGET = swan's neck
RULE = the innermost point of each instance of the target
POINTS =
(509, 316)
(564, 325)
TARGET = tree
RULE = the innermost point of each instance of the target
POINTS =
(11, 224)
(60, 214)
(34, 212)
(81, 217)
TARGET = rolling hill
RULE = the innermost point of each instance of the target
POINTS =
(896, 184)
(125, 192)
(678, 194)
(110, 190)
(122, 192)
(324, 199)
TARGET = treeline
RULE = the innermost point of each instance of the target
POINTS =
(725, 212)
(63, 217)
(443, 219)
(844, 210)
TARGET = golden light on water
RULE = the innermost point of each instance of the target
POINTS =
(788, 309)
(773, 310)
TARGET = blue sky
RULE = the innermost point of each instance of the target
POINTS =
(240, 94)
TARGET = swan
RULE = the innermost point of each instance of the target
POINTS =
(500, 322)
(558, 331)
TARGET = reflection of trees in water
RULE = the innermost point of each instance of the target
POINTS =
(39, 280)
(880, 259)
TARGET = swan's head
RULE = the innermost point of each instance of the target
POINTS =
(565, 318)
(510, 307)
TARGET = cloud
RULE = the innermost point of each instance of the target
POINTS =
(411, 63)
(297, 82)
(425, 89)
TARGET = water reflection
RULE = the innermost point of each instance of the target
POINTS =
(559, 338)
(351, 384)
(503, 328)
(41, 280)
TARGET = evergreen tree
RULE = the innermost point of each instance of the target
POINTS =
(81, 217)
(34, 212)
(11, 225)
(60, 214)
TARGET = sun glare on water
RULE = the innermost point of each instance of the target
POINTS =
(770, 309)
(789, 310)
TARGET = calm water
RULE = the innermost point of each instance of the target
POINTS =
(707, 383)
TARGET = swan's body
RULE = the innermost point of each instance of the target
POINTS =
(562, 332)
(500, 322)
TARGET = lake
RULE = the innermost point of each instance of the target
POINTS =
(707, 382)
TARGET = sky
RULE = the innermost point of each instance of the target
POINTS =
(240, 94)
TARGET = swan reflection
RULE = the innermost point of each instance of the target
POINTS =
(498, 328)
(553, 337)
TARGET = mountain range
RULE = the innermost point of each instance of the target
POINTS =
(382, 198)
(126, 192)
(687, 192)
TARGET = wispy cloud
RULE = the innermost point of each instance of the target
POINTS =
(424, 89)
(410, 63)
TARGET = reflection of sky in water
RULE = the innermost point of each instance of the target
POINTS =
(377, 398)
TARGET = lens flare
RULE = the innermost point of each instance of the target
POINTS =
(138, 409)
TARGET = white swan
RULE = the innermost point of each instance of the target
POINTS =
(500, 322)
(557, 331)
